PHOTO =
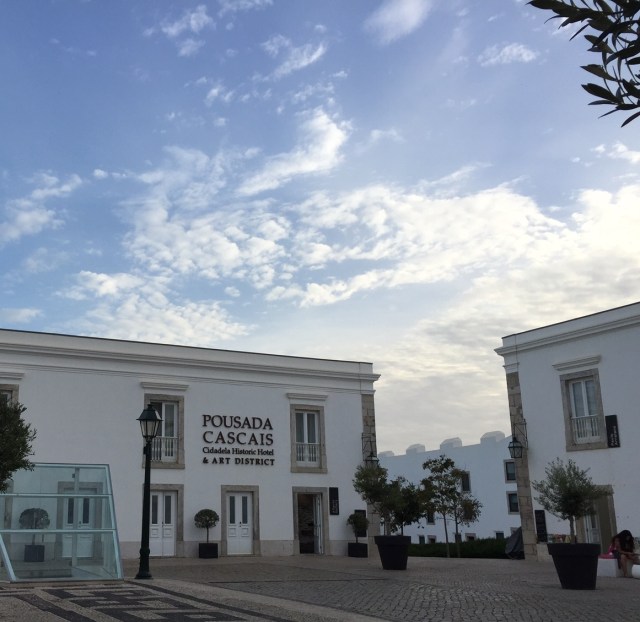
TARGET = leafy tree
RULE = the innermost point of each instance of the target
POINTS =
(16, 437)
(613, 33)
(567, 492)
(466, 511)
(397, 501)
(442, 495)
(206, 519)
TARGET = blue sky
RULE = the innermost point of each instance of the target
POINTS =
(395, 181)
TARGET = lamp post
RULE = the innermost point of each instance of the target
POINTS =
(149, 424)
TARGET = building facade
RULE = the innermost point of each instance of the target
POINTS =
(489, 477)
(573, 394)
(268, 442)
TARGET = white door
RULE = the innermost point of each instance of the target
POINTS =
(162, 527)
(79, 513)
(239, 524)
(317, 524)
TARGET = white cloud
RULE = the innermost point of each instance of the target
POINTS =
(218, 92)
(191, 21)
(29, 215)
(296, 58)
(395, 19)
(321, 139)
(620, 151)
(189, 47)
(507, 54)
(98, 173)
(18, 316)
(93, 284)
(234, 6)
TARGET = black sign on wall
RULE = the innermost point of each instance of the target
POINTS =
(541, 525)
(362, 533)
(613, 433)
(334, 502)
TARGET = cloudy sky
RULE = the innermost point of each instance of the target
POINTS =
(395, 181)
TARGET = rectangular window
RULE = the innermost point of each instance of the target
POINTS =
(470, 537)
(465, 482)
(431, 517)
(8, 393)
(584, 415)
(499, 535)
(307, 433)
(432, 539)
(509, 471)
(512, 502)
(307, 446)
(167, 449)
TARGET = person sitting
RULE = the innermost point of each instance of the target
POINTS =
(623, 549)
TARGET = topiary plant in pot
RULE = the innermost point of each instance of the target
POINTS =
(568, 492)
(397, 501)
(34, 518)
(206, 519)
(359, 522)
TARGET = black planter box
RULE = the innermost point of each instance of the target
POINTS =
(357, 549)
(394, 551)
(576, 564)
(34, 552)
(208, 550)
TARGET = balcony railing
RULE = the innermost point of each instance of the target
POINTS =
(586, 429)
(164, 449)
(308, 453)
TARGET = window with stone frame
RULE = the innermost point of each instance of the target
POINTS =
(308, 453)
(465, 481)
(167, 449)
(509, 471)
(8, 392)
(512, 503)
(583, 411)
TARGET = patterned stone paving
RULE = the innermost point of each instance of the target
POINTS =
(128, 603)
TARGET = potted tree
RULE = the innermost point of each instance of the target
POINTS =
(569, 493)
(34, 518)
(359, 523)
(398, 504)
(206, 519)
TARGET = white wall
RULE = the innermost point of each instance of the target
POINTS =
(614, 337)
(485, 463)
(84, 396)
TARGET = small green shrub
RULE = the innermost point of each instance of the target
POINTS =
(487, 548)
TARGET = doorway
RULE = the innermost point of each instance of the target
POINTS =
(310, 523)
(162, 525)
(239, 515)
(599, 527)
(79, 515)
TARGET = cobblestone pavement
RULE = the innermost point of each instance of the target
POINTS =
(326, 589)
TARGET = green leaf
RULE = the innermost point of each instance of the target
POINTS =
(600, 91)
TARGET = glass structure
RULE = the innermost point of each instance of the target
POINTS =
(57, 522)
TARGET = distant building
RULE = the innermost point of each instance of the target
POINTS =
(574, 393)
(269, 442)
(490, 479)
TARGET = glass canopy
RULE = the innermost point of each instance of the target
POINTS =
(58, 522)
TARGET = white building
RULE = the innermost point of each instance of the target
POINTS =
(490, 478)
(269, 442)
(575, 384)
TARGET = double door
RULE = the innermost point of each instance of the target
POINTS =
(162, 527)
(239, 523)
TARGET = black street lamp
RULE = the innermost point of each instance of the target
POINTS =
(150, 425)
